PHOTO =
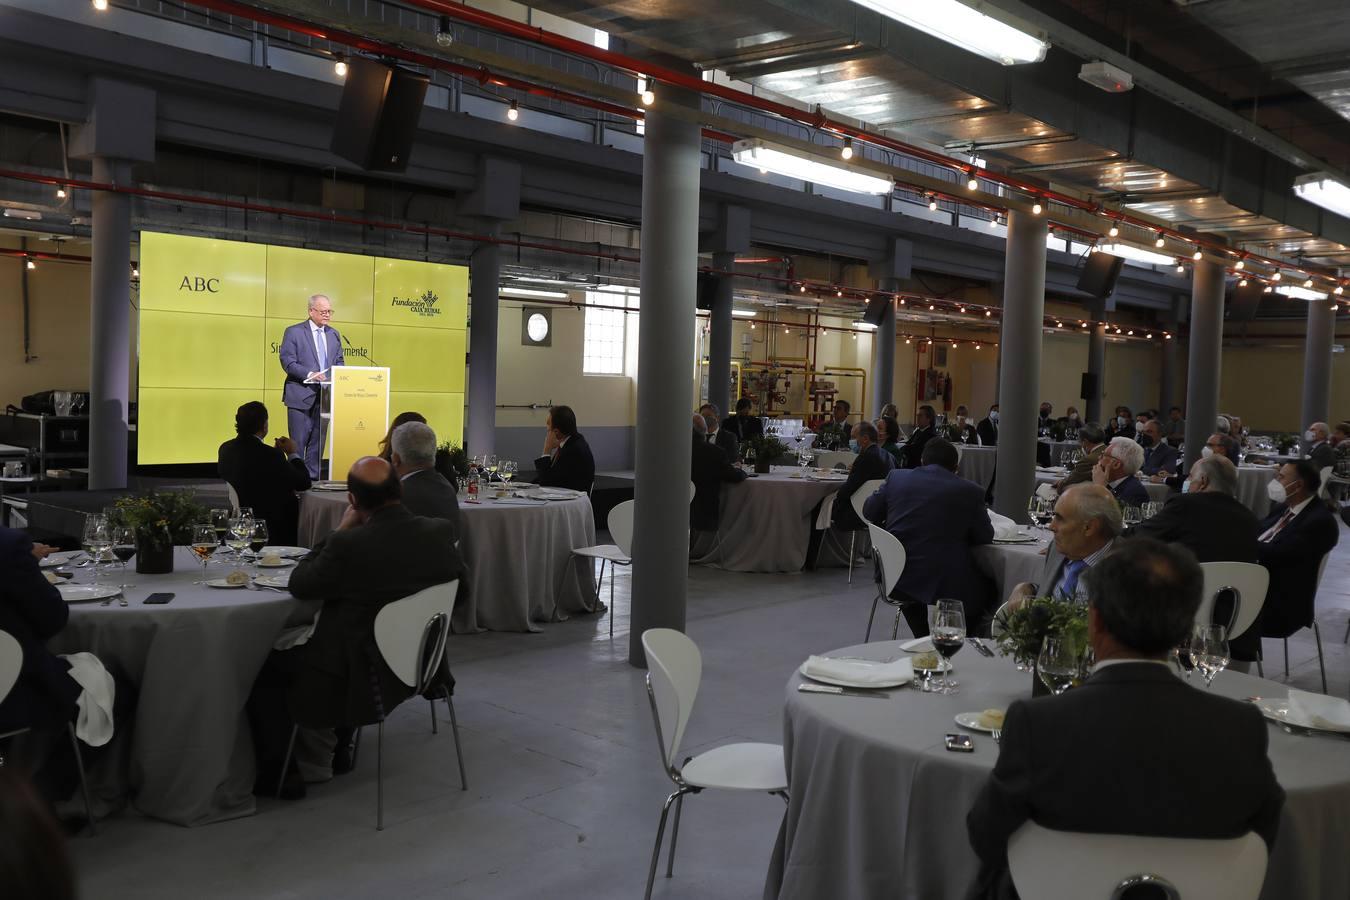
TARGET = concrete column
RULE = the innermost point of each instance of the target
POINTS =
(1020, 373)
(1096, 365)
(1206, 356)
(883, 353)
(484, 280)
(110, 328)
(719, 335)
(1317, 363)
(669, 268)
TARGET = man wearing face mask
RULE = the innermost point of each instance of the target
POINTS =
(1122, 425)
(1047, 418)
(1320, 453)
(988, 428)
(1299, 531)
(1116, 471)
(1160, 457)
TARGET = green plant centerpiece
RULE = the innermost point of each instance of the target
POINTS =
(1025, 629)
(160, 520)
(766, 449)
(1286, 443)
(452, 461)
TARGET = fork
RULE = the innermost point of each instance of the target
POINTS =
(997, 735)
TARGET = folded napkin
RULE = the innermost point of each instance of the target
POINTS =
(1005, 529)
(94, 719)
(1319, 710)
(858, 672)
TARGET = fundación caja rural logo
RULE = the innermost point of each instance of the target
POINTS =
(424, 306)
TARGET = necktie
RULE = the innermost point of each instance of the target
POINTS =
(1279, 526)
(319, 346)
(1068, 585)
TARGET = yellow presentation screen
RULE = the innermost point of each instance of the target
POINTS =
(213, 313)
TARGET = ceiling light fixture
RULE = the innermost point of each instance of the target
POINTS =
(1181, 270)
(31, 263)
(815, 169)
(932, 204)
(340, 66)
(1276, 276)
(987, 313)
(846, 151)
(1149, 336)
(865, 326)
(444, 36)
(931, 306)
(838, 292)
(993, 223)
(1197, 255)
(960, 24)
(1308, 283)
(973, 184)
(1325, 191)
(743, 313)
(529, 292)
(60, 193)
(1138, 254)
(135, 271)
(1036, 208)
(1239, 265)
(100, 5)
(513, 111)
(1242, 282)
(646, 92)
(1114, 231)
(1340, 289)
(1161, 241)
(1298, 293)
(802, 287)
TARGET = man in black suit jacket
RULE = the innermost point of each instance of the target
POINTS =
(1160, 457)
(744, 425)
(988, 428)
(1299, 531)
(708, 469)
(717, 435)
(1117, 755)
(912, 452)
(265, 478)
(567, 461)
(1320, 453)
(872, 463)
(426, 492)
(379, 553)
(32, 612)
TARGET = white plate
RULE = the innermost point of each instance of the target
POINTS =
(288, 552)
(277, 565)
(1024, 539)
(53, 560)
(1277, 710)
(328, 486)
(222, 583)
(844, 682)
(971, 720)
(83, 593)
(918, 645)
(276, 581)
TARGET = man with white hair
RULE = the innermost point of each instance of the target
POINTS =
(1116, 470)
(1320, 453)
(308, 352)
(1086, 523)
(425, 491)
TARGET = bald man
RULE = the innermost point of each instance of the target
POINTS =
(379, 553)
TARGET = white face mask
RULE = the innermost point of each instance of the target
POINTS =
(1138, 427)
(993, 416)
(1186, 486)
(1120, 420)
(1206, 451)
(1276, 492)
(1309, 436)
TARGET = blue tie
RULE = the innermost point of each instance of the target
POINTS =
(1068, 585)
(319, 342)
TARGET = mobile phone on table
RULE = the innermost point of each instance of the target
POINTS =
(960, 743)
(158, 598)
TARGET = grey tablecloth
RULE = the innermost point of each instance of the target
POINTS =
(1252, 481)
(193, 661)
(977, 464)
(878, 805)
(1159, 492)
(1012, 564)
(521, 567)
(765, 526)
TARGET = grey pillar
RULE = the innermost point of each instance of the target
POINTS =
(110, 328)
(1202, 385)
(1096, 366)
(719, 335)
(1020, 374)
(484, 280)
(1317, 362)
(883, 353)
(670, 195)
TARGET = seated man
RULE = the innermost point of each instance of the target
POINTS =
(1299, 531)
(745, 424)
(988, 428)
(1085, 524)
(1160, 457)
(708, 469)
(426, 492)
(265, 478)
(1224, 444)
(1046, 421)
(872, 463)
(833, 435)
(1117, 755)
(938, 516)
(963, 429)
(1092, 440)
(1340, 434)
(888, 434)
(1320, 451)
(912, 453)
(567, 461)
(379, 553)
(717, 436)
(1116, 470)
(1175, 426)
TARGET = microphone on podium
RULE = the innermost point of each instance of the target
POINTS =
(346, 340)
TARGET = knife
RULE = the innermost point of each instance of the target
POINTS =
(980, 648)
(831, 689)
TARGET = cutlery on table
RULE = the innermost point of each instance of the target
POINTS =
(997, 735)
(867, 659)
(979, 646)
(840, 691)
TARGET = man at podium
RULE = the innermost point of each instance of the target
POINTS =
(309, 350)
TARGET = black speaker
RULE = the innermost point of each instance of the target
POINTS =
(707, 290)
(1088, 389)
(876, 310)
(1244, 301)
(1099, 274)
(377, 118)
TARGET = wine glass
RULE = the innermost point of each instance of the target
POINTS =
(1058, 664)
(947, 627)
(508, 469)
(96, 541)
(123, 541)
(257, 540)
(1209, 651)
(220, 524)
(492, 464)
(241, 531)
(805, 456)
(204, 544)
(1132, 516)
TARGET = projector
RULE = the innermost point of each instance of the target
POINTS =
(1106, 77)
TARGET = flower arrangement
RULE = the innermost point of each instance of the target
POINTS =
(766, 448)
(1027, 627)
(160, 516)
(1286, 443)
(452, 461)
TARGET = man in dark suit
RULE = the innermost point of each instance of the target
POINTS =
(32, 612)
(744, 425)
(1160, 457)
(912, 452)
(708, 469)
(1116, 471)
(1046, 421)
(567, 461)
(988, 428)
(1320, 452)
(938, 516)
(1092, 440)
(338, 678)
(1299, 531)
(1117, 755)
(265, 478)
(1085, 524)
(426, 492)
(717, 435)
(872, 463)
(308, 352)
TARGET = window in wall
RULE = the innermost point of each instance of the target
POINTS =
(603, 344)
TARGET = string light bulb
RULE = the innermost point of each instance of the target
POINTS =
(1276, 277)
(931, 306)
(1242, 282)
(1340, 289)
(1114, 232)
(802, 287)
(1160, 241)
(1167, 337)
(32, 264)
(993, 223)
(973, 183)
(987, 313)
(340, 67)
(902, 301)
(1149, 336)
(846, 151)
(977, 346)
(1240, 265)
(61, 193)
(1268, 289)
(646, 92)
(1036, 208)
(838, 292)
(513, 111)
(1130, 333)
(906, 340)
(1198, 255)
(963, 310)
(135, 271)
(1308, 283)
(932, 204)
(1180, 268)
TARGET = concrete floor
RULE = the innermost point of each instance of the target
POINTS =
(564, 773)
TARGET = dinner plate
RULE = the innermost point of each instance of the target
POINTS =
(52, 560)
(918, 645)
(83, 593)
(225, 585)
(1277, 710)
(328, 486)
(844, 682)
(276, 565)
(288, 552)
(276, 581)
(971, 720)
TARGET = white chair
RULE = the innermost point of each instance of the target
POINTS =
(411, 634)
(1066, 865)
(865, 490)
(1325, 474)
(11, 663)
(1317, 631)
(889, 555)
(234, 498)
(828, 459)
(1248, 583)
(674, 670)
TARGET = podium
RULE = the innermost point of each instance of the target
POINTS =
(357, 410)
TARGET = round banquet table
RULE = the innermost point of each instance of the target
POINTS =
(878, 806)
(1158, 492)
(1012, 564)
(977, 463)
(193, 661)
(519, 558)
(765, 525)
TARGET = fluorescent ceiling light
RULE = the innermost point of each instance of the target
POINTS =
(817, 170)
(1300, 293)
(1325, 191)
(526, 292)
(743, 313)
(533, 280)
(1138, 254)
(957, 23)
(866, 326)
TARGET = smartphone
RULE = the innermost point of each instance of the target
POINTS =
(960, 743)
(158, 598)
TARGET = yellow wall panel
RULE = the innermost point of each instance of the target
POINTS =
(421, 359)
(184, 350)
(188, 274)
(443, 412)
(187, 424)
(294, 275)
(426, 295)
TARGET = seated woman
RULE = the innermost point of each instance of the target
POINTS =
(889, 429)
(387, 442)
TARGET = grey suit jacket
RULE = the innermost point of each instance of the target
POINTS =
(299, 357)
(427, 493)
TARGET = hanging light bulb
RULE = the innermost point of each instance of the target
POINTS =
(931, 306)
(32, 264)
(101, 5)
(847, 150)
(838, 292)
(1268, 289)
(135, 271)
(977, 346)
(340, 66)
(1275, 277)
(1036, 208)
(953, 345)
(855, 335)
(1167, 337)
(1130, 333)
(61, 193)
(1308, 283)
(963, 310)
(993, 223)
(645, 90)
(1059, 324)
(902, 301)
(802, 287)
(1340, 289)
(973, 183)
(1242, 282)
(1114, 232)
(1092, 249)
(1085, 324)
(1160, 241)
(752, 326)
(786, 331)
(906, 340)
(1240, 265)
(987, 313)
(932, 204)
(513, 111)
(930, 342)
(1149, 336)
(1197, 255)
(1117, 331)
(1180, 268)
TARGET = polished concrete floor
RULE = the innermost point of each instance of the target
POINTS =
(565, 783)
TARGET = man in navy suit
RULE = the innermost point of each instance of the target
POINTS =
(309, 350)
(938, 516)
(1160, 457)
(1116, 471)
(1299, 531)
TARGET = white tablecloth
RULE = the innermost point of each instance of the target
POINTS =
(878, 807)
(1252, 481)
(977, 464)
(1159, 491)
(1012, 564)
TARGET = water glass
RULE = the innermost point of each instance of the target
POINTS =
(1059, 664)
(96, 540)
(805, 456)
(1209, 651)
(1133, 516)
(507, 467)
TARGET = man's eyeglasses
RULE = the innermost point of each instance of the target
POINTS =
(323, 312)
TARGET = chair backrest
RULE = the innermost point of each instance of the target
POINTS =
(865, 490)
(693, 489)
(890, 555)
(401, 632)
(828, 459)
(620, 524)
(1248, 582)
(674, 670)
(1066, 865)
(11, 661)
(234, 498)
(1322, 567)
(1325, 474)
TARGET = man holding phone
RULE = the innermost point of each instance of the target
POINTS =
(309, 350)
